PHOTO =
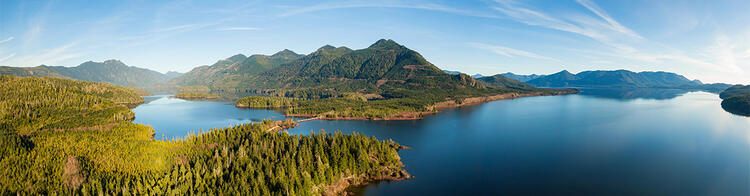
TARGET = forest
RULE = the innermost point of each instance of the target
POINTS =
(74, 137)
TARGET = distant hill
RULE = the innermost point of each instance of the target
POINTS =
(501, 81)
(452, 72)
(622, 78)
(522, 78)
(112, 71)
(477, 76)
(173, 74)
(736, 100)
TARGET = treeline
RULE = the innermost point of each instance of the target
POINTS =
(121, 158)
(391, 104)
(196, 95)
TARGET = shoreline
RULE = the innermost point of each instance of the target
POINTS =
(435, 108)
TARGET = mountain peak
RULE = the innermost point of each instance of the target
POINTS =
(237, 58)
(326, 47)
(385, 43)
(285, 52)
(113, 61)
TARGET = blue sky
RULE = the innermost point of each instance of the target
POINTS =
(706, 40)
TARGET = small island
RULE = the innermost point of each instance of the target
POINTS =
(195, 93)
(736, 100)
(195, 96)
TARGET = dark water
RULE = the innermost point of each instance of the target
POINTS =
(594, 143)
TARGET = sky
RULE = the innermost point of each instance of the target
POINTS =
(701, 39)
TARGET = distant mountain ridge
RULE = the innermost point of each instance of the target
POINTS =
(112, 71)
(622, 78)
(522, 78)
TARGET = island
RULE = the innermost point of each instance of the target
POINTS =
(68, 137)
(195, 96)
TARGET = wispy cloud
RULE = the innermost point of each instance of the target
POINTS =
(509, 52)
(7, 57)
(6, 40)
(49, 57)
(602, 28)
(347, 5)
(238, 29)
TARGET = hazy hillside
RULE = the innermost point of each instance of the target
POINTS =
(504, 82)
(112, 71)
(621, 78)
(522, 78)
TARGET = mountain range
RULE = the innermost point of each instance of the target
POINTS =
(522, 78)
(383, 65)
(623, 79)
(112, 71)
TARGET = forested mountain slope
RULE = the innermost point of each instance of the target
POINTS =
(112, 71)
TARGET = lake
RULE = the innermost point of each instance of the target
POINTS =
(599, 142)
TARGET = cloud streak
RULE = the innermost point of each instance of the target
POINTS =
(602, 28)
(429, 7)
(238, 29)
(509, 52)
(6, 40)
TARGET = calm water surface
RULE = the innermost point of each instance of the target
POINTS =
(596, 143)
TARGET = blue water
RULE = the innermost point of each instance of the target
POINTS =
(174, 118)
(594, 143)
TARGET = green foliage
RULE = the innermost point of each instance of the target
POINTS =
(117, 157)
(33, 104)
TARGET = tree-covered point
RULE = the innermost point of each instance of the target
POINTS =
(736, 100)
(735, 91)
(117, 157)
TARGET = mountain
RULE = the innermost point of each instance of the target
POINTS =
(477, 76)
(239, 67)
(504, 82)
(383, 65)
(617, 78)
(522, 78)
(112, 71)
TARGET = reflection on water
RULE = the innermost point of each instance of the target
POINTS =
(634, 93)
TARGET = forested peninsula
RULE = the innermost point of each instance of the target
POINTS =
(61, 136)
